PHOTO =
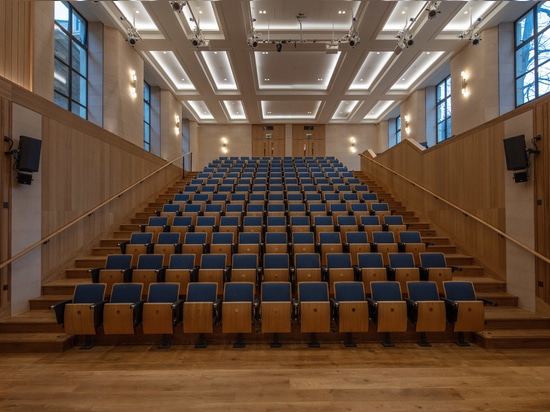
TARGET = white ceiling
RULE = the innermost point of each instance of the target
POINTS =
(228, 81)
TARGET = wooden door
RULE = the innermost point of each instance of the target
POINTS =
(268, 140)
(308, 140)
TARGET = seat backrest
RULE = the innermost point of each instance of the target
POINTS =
(370, 220)
(368, 197)
(160, 220)
(383, 237)
(347, 220)
(182, 221)
(213, 261)
(370, 260)
(296, 207)
(275, 238)
(356, 237)
(141, 238)
(252, 221)
(213, 207)
(163, 292)
(126, 292)
(249, 238)
(233, 208)
(303, 237)
(299, 220)
(170, 207)
(202, 292)
(380, 207)
(118, 262)
(307, 260)
(276, 261)
(276, 221)
(313, 291)
(338, 207)
(182, 261)
(192, 208)
(433, 260)
(276, 292)
(222, 238)
(455, 290)
(410, 237)
(182, 197)
(275, 207)
(244, 261)
(393, 220)
(385, 291)
(401, 260)
(238, 292)
(330, 237)
(422, 290)
(339, 260)
(195, 238)
(89, 293)
(323, 221)
(150, 261)
(349, 291)
(168, 238)
(359, 207)
(206, 221)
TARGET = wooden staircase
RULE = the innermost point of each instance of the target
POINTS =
(507, 325)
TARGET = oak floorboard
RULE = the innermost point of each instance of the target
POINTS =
(293, 378)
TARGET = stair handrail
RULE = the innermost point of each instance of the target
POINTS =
(89, 213)
(463, 211)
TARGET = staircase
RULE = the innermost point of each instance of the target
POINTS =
(507, 325)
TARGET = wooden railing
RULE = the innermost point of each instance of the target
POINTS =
(457, 208)
(90, 212)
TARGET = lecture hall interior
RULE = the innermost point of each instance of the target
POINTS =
(275, 205)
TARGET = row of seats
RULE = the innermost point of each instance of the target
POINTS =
(275, 309)
(246, 267)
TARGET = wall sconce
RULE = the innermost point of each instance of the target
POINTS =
(463, 83)
(352, 140)
(224, 145)
(177, 124)
(407, 127)
(133, 83)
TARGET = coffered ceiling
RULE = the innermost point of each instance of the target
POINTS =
(315, 61)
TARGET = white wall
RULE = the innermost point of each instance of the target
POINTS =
(26, 209)
(338, 142)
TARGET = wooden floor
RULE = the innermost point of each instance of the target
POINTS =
(294, 378)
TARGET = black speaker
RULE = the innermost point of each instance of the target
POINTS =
(515, 151)
(28, 157)
(24, 178)
(520, 177)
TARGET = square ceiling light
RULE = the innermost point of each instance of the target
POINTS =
(168, 63)
(281, 110)
(219, 66)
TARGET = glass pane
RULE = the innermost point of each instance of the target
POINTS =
(147, 147)
(61, 14)
(440, 132)
(440, 112)
(79, 28)
(79, 59)
(440, 91)
(398, 123)
(61, 101)
(146, 113)
(524, 28)
(449, 130)
(448, 87)
(61, 78)
(146, 92)
(525, 58)
(79, 89)
(448, 110)
(398, 137)
(61, 44)
(146, 134)
(543, 16)
(79, 110)
(544, 79)
(525, 88)
(543, 47)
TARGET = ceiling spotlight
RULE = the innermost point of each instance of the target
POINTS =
(354, 40)
(475, 39)
(132, 36)
(253, 39)
(404, 39)
(177, 6)
(432, 9)
(279, 47)
(198, 40)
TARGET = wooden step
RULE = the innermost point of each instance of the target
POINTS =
(111, 242)
(45, 301)
(105, 250)
(91, 261)
(482, 284)
(417, 225)
(512, 317)
(514, 338)
(436, 240)
(35, 342)
(447, 249)
(63, 286)
(31, 321)
(457, 259)
(78, 273)
(123, 234)
(500, 298)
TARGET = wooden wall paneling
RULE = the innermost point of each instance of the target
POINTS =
(263, 146)
(304, 146)
(16, 44)
(542, 195)
(6, 182)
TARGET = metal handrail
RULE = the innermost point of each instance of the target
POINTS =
(87, 214)
(463, 211)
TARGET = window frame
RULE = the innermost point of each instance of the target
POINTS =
(146, 115)
(443, 104)
(73, 71)
(533, 66)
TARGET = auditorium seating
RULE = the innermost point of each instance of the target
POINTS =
(118, 269)
(162, 311)
(123, 313)
(276, 226)
(424, 309)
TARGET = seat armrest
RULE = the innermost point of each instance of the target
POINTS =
(390, 273)
(217, 311)
(161, 275)
(295, 308)
(142, 228)
(95, 274)
(324, 274)
(227, 274)
(194, 274)
(138, 312)
(345, 246)
(424, 273)
(127, 274)
(488, 302)
(177, 312)
(292, 274)
(401, 247)
(59, 309)
(453, 268)
(122, 246)
(373, 247)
